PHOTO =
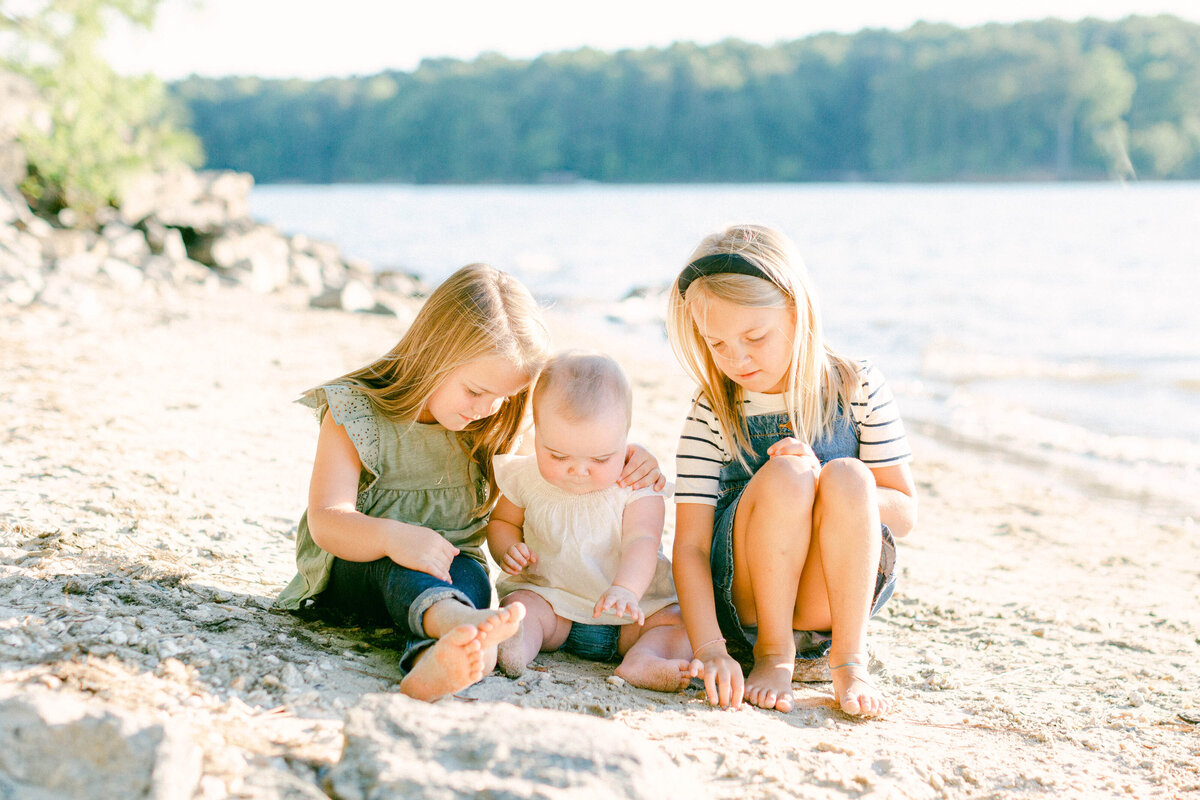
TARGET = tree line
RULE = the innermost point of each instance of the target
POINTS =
(1035, 100)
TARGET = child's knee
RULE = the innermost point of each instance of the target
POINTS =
(845, 480)
(785, 479)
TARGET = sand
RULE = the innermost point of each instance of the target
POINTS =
(1043, 641)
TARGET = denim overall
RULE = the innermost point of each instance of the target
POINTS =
(764, 430)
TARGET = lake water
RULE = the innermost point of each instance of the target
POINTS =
(1052, 321)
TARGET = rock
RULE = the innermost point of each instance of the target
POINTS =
(126, 243)
(165, 241)
(80, 267)
(66, 242)
(395, 747)
(354, 296)
(181, 198)
(124, 276)
(54, 745)
(401, 283)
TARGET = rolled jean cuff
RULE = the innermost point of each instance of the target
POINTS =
(426, 600)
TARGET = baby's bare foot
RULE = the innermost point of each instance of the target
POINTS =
(852, 686)
(510, 654)
(659, 674)
(769, 684)
(453, 662)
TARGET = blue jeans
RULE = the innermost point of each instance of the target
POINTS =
(383, 592)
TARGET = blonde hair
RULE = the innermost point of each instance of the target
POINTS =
(581, 384)
(476, 313)
(818, 379)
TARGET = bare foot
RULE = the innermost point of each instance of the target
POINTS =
(852, 686)
(500, 625)
(659, 674)
(510, 653)
(453, 662)
(769, 684)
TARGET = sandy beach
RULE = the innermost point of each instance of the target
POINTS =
(1043, 640)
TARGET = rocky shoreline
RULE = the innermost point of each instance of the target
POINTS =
(175, 227)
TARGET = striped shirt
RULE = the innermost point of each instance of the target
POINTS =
(703, 449)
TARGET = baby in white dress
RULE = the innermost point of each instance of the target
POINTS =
(580, 552)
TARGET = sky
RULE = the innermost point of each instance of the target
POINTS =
(324, 38)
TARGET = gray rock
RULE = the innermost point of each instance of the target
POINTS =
(354, 296)
(55, 746)
(123, 275)
(125, 243)
(397, 747)
(182, 198)
(66, 242)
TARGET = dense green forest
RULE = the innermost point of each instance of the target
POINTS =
(1035, 100)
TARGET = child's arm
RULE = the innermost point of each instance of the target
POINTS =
(506, 538)
(337, 527)
(897, 493)
(641, 534)
(724, 683)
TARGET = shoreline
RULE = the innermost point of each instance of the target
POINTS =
(1041, 643)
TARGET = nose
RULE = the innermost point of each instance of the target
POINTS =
(485, 408)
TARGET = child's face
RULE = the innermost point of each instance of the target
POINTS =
(473, 391)
(752, 346)
(580, 456)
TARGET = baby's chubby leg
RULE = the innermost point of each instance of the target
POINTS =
(540, 630)
(657, 654)
(465, 649)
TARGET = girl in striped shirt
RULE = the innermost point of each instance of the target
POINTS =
(792, 479)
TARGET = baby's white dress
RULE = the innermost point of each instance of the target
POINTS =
(577, 539)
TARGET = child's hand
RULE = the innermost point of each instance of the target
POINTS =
(724, 683)
(424, 550)
(641, 469)
(621, 601)
(791, 446)
(518, 557)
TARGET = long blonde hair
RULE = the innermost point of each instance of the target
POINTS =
(477, 312)
(818, 378)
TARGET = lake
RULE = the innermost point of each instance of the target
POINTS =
(1051, 320)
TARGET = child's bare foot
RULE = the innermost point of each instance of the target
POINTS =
(659, 674)
(510, 654)
(453, 662)
(500, 625)
(769, 684)
(852, 686)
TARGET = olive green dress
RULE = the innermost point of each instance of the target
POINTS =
(411, 472)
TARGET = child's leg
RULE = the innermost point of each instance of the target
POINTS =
(772, 531)
(839, 580)
(456, 614)
(465, 649)
(657, 654)
(540, 630)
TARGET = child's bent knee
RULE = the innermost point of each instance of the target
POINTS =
(786, 479)
(847, 479)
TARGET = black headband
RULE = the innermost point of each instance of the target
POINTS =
(718, 264)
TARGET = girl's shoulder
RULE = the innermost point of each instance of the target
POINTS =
(353, 410)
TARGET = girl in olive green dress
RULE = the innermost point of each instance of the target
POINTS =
(402, 479)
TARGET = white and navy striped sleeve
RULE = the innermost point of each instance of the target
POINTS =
(881, 438)
(699, 457)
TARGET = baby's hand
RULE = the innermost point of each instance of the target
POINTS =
(791, 446)
(518, 557)
(621, 601)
